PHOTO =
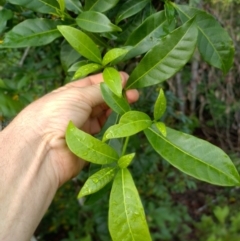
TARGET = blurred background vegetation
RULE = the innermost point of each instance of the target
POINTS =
(201, 101)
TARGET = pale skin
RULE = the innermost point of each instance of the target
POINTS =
(34, 158)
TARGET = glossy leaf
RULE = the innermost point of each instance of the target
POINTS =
(99, 5)
(81, 43)
(160, 105)
(32, 32)
(74, 6)
(97, 181)
(169, 11)
(5, 15)
(113, 54)
(86, 70)
(214, 43)
(130, 123)
(89, 148)
(162, 128)
(194, 156)
(166, 58)
(126, 215)
(95, 22)
(147, 35)
(62, 5)
(117, 104)
(77, 65)
(98, 40)
(126, 160)
(113, 80)
(130, 8)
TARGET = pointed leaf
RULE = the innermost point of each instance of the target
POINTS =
(130, 8)
(74, 6)
(195, 157)
(162, 128)
(89, 148)
(95, 22)
(214, 43)
(100, 5)
(166, 58)
(130, 123)
(62, 5)
(97, 181)
(113, 54)
(31, 32)
(77, 65)
(86, 70)
(147, 35)
(126, 160)
(81, 43)
(117, 104)
(160, 105)
(126, 215)
(113, 80)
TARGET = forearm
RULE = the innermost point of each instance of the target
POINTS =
(23, 169)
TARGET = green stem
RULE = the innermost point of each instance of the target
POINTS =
(125, 145)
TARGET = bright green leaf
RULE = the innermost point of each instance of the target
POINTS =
(61, 5)
(117, 104)
(97, 181)
(81, 43)
(86, 70)
(166, 58)
(77, 65)
(214, 42)
(130, 8)
(130, 123)
(31, 32)
(126, 214)
(89, 148)
(113, 80)
(162, 128)
(147, 34)
(95, 22)
(195, 157)
(113, 54)
(99, 5)
(160, 105)
(98, 40)
(126, 160)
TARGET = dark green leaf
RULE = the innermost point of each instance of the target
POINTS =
(195, 157)
(86, 70)
(147, 35)
(113, 54)
(117, 104)
(81, 43)
(166, 58)
(214, 43)
(130, 8)
(97, 181)
(169, 11)
(99, 5)
(160, 105)
(130, 123)
(32, 32)
(89, 148)
(95, 22)
(126, 215)
(77, 65)
(98, 39)
(74, 6)
(126, 160)
(113, 80)
(5, 15)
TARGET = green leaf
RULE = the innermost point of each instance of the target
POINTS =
(81, 43)
(166, 58)
(169, 11)
(130, 8)
(147, 35)
(162, 128)
(89, 148)
(61, 5)
(113, 54)
(99, 5)
(130, 123)
(95, 22)
(126, 214)
(113, 80)
(86, 70)
(77, 65)
(74, 6)
(98, 39)
(194, 156)
(97, 181)
(160, 105)
(31, 32)
(117, 104)
(5, 15)
(37, 5)
(214, 42)
(126, 160)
